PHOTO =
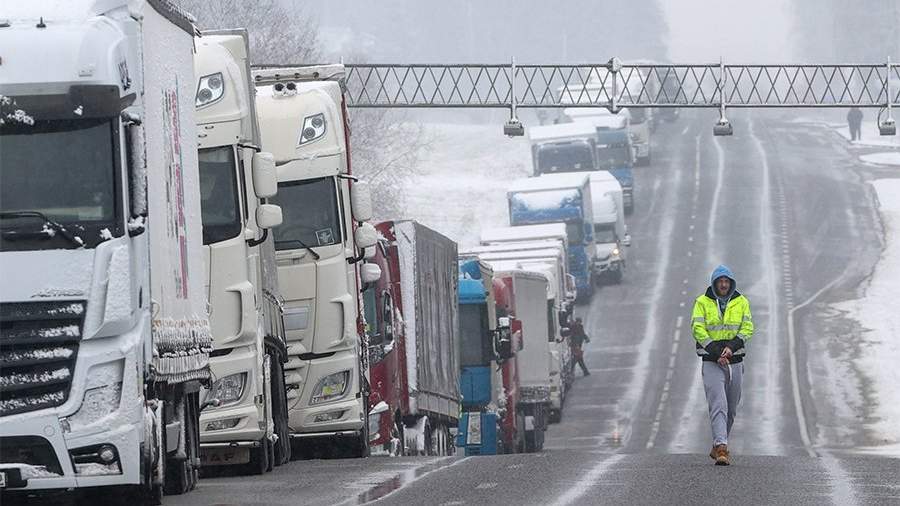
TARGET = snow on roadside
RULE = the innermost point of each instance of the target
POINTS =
(869, 136)
(877, 312)
(888, 158)
(464, 174)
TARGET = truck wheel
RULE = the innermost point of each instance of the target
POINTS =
(280, 414)
(183, 473)
(259, 457)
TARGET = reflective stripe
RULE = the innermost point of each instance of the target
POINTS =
(705, 342)
(701, 352)
(713, 328)
(747, 318)
(698, 319)
(740, 352)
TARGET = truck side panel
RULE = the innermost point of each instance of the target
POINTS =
(173, 224)
(428, 266)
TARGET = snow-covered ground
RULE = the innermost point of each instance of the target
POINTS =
(869, 136)
(878, 313)
(888, 158)
(463, 177)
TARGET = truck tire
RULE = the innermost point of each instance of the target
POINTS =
(182, 474)
(259, 457)
(280, 414)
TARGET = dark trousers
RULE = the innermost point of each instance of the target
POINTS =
(578, 353)
(854, 131)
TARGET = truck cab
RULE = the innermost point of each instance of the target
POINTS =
(488, 370)
(616, 155)
(563, 147)
(610, 232)
(320, 246)
(244, 420)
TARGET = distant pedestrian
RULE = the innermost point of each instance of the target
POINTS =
(577, 338)
(722, 327)
(854, 121)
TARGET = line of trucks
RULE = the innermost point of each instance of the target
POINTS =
(190, 277)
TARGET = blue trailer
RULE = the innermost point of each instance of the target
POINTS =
(560, 198)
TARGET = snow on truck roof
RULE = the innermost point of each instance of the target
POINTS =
(517, 246)
(523, 233)
(547, 133)
(562, 181)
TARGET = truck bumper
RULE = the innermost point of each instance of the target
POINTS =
(245, 421)
(329, 419)
(53, 467)
(642, 150)
(67, 431)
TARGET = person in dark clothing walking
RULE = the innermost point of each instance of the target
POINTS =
(577, 338)
(854, 120)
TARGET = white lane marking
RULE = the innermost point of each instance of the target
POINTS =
(664, 398)
(587, 481)
(685, 130)
(841, 483)
(717, 192)
(767, 267)
(486, 485)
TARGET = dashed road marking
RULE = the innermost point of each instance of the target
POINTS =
(487, 485)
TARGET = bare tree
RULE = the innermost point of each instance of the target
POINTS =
(277, 33)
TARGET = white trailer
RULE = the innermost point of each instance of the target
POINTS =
(530, 307)
(244, 415)
(105, 337)
(319, 249)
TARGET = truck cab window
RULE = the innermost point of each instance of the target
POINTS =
(67, 171)
(219, 198)
(310, 209)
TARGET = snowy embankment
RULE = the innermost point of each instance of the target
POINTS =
(889, 158)
(878, 313)
(869, 136)
(462, 179)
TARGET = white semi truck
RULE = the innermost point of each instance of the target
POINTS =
(610, 232)
(320, 250)
(244, 416)
(105, 339)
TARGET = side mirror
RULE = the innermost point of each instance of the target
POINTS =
(361, 201)
(370, 273)
(503, 342)
(627, 241)
(365, 236)
(369, 253)
(268, 216)
(563, 317)
(265, 178)
(379, 408)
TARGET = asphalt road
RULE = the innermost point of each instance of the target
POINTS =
(786, 207)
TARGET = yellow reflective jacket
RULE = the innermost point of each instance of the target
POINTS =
(713, 331)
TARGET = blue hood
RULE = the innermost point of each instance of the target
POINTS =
(719, 272)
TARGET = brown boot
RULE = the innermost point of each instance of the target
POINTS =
(721, 455)
(712, 452)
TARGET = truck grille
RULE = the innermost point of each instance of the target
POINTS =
(38, 348)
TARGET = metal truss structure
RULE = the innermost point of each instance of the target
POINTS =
(614, 85)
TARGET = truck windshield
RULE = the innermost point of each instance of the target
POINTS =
(605, 234)
(475, 345)
(66, 171)
(310, 210)
(565, 158)
(220, 205)
(613, 155)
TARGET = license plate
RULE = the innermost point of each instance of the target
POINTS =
(2, 479)
(224, 456)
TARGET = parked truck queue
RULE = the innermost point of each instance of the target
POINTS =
(211, 291)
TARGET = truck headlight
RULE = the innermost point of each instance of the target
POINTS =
(98, 403)
(331, 387)
(615, 252)
(210, 89)
(313, 128)
(229, 389)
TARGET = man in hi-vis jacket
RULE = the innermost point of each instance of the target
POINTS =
(722, 327)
